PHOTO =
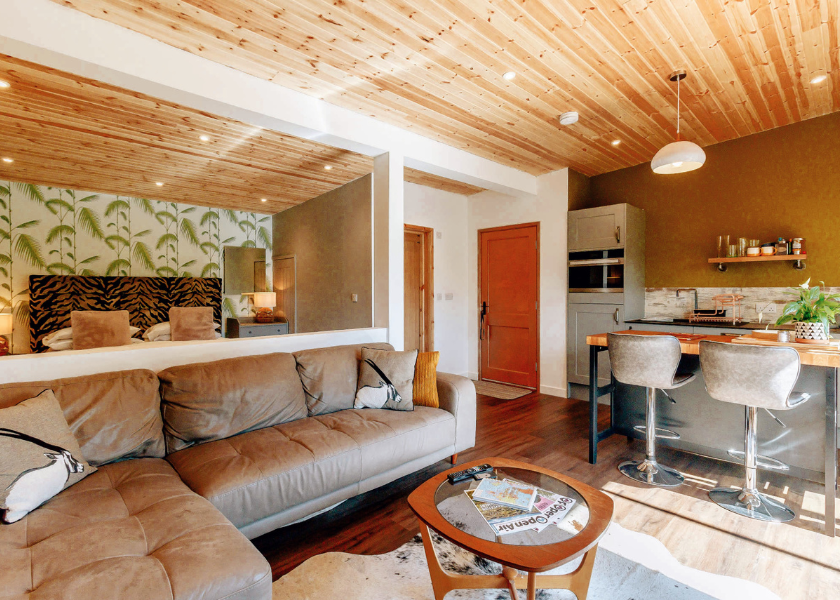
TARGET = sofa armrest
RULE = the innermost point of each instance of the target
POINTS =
(457, 395)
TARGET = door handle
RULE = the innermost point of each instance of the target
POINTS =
(618, 234)
(484, 308)
(615, 316)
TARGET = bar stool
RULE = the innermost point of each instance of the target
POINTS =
(649, 361)
(755, 377)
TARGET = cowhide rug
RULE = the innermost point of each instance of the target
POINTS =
(628, 566)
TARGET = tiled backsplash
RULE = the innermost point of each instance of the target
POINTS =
(663, 302)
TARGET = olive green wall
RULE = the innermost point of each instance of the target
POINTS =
(783, 182)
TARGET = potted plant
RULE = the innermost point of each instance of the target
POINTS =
(811, 313)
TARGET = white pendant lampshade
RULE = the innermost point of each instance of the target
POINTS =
(679, 156)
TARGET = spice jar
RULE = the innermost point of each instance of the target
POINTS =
(798, 245)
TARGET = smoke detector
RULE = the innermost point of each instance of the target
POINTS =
(569, 118)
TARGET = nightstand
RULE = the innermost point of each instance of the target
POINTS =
(247, 327)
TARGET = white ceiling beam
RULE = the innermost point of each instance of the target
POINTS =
(49, 34)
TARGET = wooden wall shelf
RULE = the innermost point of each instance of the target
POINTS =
(797, 260)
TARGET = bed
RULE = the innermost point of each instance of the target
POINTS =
(147, 299)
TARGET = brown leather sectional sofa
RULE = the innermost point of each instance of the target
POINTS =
(196, 459)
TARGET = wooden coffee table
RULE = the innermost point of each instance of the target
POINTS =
(530, 552)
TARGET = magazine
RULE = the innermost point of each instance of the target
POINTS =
(506, 492)
(553, 506)
(505, 519)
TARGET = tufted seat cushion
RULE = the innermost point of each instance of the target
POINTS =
(132, 530)
(260, 473)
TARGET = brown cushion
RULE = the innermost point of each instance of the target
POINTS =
(425, 380)
(330, 376)
(100, 328)
(113, 415)
(131, 531)
(39, 457)
(191, 323)
(215, 400)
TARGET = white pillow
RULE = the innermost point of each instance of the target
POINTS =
(155, 333)
(61, 345)
(62, 335)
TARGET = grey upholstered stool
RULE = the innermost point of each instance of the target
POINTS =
(649, 361)
(755, 377)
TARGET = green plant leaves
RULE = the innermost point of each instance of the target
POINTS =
(30, 250)
(89, 222)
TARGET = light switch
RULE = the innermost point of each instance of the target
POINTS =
(450, 295)
(354, 297)
(439, 296)
(439, 235)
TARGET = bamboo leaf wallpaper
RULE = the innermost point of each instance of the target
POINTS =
(55, 231)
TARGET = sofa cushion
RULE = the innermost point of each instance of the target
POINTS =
(261, 473)
(113, 415)
(330, 376)
(210, 401)
(133, 531)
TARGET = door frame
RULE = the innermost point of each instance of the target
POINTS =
(539, 304)
(428, 284)
(293, 257)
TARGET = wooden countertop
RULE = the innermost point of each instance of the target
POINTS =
(690, 344)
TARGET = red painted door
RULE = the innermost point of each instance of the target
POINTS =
(508, 305)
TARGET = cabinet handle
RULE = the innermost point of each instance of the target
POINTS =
(618, 234)
(615, 316)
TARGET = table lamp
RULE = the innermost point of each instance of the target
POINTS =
(5, 329)
(264, 302)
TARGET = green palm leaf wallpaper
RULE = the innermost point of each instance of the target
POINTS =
(55, 231)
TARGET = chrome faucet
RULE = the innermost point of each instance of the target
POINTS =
(689, 290)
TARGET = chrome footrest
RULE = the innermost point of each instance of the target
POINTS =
(663, 434)
(764, 462)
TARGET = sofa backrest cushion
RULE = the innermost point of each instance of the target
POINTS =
(211, 401)
(113, 415)
(330, 376)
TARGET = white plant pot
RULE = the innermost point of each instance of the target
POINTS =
(810, 331)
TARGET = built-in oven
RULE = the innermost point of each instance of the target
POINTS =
(594, 271)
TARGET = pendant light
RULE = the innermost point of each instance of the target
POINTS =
(679, 156)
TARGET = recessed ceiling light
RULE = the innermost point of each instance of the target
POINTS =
(263, 199)
(509, 75)
(819, 78)
(328, 167)
(7, 160)
(4, 84)
(159, 183)
(615, 142)
(569, 118)
(204, 138)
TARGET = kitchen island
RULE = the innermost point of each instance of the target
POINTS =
(807, 443)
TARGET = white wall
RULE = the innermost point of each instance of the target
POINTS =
(549, 207)
(446, 213)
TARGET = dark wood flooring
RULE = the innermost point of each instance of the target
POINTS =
(795, 560)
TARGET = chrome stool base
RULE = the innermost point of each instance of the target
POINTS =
(752, 505)
(651, 472)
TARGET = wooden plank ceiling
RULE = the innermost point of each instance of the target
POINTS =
(435, 66)
(62, 130)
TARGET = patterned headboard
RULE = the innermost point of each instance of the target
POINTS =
(147, 299)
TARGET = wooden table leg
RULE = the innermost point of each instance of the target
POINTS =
(532, 586)
(511, 574)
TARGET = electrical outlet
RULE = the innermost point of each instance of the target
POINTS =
(767, 309)
(449, 295)
(354, 297)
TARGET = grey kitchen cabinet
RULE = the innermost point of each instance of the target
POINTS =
(584, 320)
(662, 328)
(248, 327)
(598, 228)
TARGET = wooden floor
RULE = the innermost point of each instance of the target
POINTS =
(794, 560)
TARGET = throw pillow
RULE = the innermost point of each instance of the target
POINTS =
(188, 323)
(425, 380)
(39, 456)
(100, 328)
(386, 379)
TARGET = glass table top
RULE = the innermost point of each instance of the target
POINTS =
(557, 522)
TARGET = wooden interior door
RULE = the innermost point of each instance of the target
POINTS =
(509, 282)
(414, 290)
(284, 286)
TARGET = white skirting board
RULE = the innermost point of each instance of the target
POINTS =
(158, 356)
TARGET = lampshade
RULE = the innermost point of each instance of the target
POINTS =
(265, 299)
(5, 323)
(678, 157)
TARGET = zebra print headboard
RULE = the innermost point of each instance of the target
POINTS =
(147, 299)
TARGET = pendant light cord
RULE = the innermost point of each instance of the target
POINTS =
(678, 107)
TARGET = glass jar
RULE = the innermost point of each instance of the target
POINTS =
(798, 245)
(781, 246)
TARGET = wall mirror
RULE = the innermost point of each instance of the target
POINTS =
(244, 271)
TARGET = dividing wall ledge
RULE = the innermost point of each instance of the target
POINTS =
(158, 356)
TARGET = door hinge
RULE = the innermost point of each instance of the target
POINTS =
(536, 305)
(536, 367)
(536, 245)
